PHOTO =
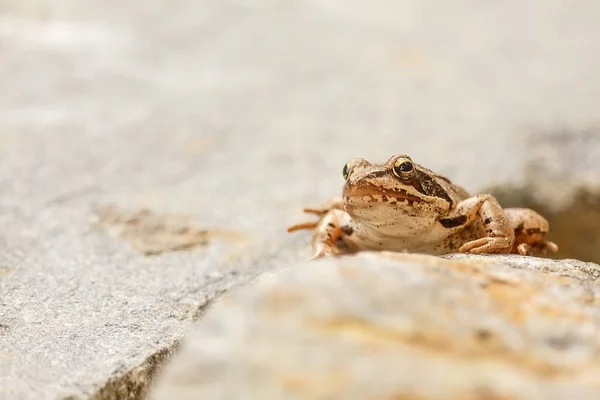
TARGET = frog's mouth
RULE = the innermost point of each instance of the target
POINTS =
(387, 195)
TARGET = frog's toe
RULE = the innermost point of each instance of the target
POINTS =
(299, 227)
(335, 203)
(472, 246)
(316, 211)
(487, 245)
(524, 249)
(551, 246)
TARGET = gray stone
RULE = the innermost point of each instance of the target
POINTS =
(152, 154)
(395, 326)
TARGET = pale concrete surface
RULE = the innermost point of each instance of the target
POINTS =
(232, 116)
(393, 326)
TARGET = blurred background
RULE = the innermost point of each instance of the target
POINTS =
(232, 116)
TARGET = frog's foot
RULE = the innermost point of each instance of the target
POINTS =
(531, 231)
(487, 245)
(499, 233)
(330, 230)
(335, 203)
(543, 248)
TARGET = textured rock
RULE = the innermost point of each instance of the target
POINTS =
(152, 234)
(152, 155)
(391, 326)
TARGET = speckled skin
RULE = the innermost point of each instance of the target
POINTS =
(402, 206)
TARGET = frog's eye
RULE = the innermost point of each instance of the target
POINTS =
(346, 171)
(403, 168)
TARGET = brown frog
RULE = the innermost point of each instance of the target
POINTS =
(402, 206)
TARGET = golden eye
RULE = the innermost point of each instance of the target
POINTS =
(346, 171)
(403, 167)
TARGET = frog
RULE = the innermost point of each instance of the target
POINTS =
(402, 206)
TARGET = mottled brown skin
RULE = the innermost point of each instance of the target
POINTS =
(402, 206)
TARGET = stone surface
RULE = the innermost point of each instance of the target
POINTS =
(394, 326)
(225, 118)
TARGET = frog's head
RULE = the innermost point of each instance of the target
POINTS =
(398, 194)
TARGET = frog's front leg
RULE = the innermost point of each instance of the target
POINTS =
(531, 231)
(499, 233)
(334, 225)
